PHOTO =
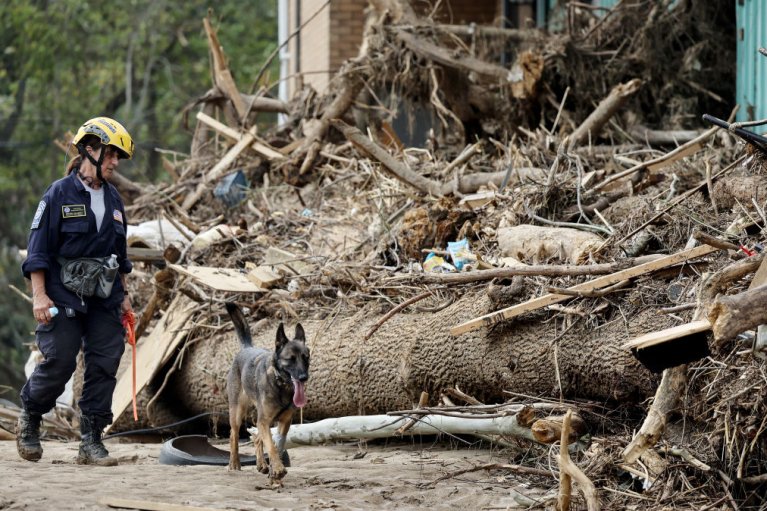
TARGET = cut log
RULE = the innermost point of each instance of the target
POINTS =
(732, 315)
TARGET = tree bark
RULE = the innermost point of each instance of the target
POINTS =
(414, 352)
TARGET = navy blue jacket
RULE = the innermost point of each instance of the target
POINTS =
(65, 226)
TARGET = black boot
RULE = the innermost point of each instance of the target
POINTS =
(28, 436)
(92, 450)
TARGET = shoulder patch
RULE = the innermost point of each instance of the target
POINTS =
(117, 215)
(38, 215)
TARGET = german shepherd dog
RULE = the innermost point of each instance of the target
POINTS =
(274, 382)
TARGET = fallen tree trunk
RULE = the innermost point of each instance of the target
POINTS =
(411, 353)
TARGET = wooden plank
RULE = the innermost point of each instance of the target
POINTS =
(220, 279)
(258, 145)
(286, 262)
(264, 277)
(592, 285)
(675, 332)
(152, 352)
(148, 505)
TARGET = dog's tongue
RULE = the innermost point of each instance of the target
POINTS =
(299, 398)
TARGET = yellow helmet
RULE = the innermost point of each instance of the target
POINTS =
(110, 132)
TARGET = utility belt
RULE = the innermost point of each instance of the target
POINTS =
(89, 276)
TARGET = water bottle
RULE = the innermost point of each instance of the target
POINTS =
(53, 310)
(107, 277)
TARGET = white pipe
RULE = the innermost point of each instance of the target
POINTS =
(282, 34)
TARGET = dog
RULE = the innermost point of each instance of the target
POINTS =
(274, 381)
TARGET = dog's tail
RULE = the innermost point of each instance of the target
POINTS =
(240, 324)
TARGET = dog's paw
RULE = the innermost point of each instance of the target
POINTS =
(234, 466)
(262, 467)
(277, 471)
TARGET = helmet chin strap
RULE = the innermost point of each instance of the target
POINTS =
(97, 163)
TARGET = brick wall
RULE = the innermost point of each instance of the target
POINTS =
(456, 12)
(347, 22)
(335, 34)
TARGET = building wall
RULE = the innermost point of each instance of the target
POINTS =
(751, 85)
(335, 34)
(347, 22)
(311, 48)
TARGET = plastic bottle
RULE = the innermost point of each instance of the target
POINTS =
(53, 310)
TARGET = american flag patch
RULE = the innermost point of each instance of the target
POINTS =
(117, 215)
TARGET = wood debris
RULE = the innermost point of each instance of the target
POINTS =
(340, 206)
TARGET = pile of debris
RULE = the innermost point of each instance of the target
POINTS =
(542, 227)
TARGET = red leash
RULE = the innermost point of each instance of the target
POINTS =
(129, 323)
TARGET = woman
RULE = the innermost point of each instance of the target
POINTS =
(77, 299)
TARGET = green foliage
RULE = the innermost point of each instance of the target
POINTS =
(141, 62)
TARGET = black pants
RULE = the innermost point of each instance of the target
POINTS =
(102, 337)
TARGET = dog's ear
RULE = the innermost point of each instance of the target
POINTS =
(300, 335)
(282, 340)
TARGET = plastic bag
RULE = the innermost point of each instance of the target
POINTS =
(436, 264)
(461, 254)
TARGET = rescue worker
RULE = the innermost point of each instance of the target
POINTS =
(78, 301)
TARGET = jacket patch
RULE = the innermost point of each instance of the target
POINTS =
(73, 210)
(38, 215)
(117, 215)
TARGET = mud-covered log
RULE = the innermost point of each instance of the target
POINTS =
(412, 353)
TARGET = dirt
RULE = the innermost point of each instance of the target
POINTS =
(328, 477)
